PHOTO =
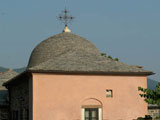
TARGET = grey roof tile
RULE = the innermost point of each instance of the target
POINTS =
(5, 76)
(58, 45)
(77, 61)
(67, 52)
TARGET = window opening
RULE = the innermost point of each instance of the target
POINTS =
(91, 114)
(109, 93)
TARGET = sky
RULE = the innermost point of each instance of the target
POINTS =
(127, 29)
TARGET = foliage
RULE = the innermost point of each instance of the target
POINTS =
(116, 59)
(105, 55)
(110, 57)
(147, 117)
(140, 118)
(158, 117)
(151, 96)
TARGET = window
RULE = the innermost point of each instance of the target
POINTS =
(91, 114)
(109, 93)
(14, 115)
(22, 114)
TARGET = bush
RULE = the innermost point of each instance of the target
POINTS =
(140, 118)
(147, 117)
(158, 117)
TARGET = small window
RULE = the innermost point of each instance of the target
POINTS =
(109, 93)
(91, 114)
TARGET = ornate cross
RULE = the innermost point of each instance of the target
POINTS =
(65, 18)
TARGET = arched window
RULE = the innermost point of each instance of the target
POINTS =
(91, 109)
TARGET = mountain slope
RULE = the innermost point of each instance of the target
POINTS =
(151, 84)
(2, 69)
(20, 70)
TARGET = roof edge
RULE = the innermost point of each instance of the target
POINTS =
(12, 79)
(93, 72)
(79, 73)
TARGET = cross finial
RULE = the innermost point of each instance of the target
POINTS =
(65, 18)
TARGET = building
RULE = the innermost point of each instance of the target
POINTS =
(67, 78)
(4, 101)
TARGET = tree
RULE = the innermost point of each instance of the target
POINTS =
(151, 96)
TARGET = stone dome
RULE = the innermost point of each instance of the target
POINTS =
(60, 44)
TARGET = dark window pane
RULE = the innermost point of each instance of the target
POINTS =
(91, 114)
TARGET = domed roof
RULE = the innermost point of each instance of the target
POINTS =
(67, 53)
(70, 53)
(60, 44)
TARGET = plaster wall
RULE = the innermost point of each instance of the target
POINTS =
(61, 97)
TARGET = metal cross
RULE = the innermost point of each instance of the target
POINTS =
(65, 18)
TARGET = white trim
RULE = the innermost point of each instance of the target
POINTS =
(100, 113)
(82, 114)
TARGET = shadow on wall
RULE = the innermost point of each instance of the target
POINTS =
(4, 111)
(4, 97)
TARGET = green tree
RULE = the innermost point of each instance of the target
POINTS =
(151, 96)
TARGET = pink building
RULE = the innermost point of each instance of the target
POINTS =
(67, 78)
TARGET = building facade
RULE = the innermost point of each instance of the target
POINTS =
(4, 98)
(67, 78)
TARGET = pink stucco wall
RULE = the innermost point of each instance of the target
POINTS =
(61, 97)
